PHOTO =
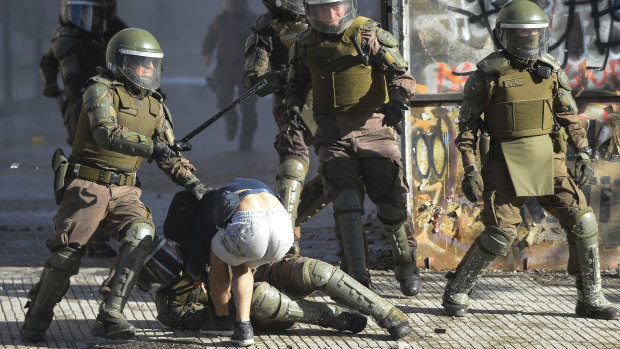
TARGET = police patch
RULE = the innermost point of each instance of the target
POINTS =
(513, 82)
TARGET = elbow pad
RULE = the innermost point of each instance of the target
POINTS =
(128, 143)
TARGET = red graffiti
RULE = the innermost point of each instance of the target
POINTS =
(455, 82)
(583, 78)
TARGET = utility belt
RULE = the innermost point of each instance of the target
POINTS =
(100, 176)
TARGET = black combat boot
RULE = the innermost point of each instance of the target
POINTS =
(54, 283)
(491, 243)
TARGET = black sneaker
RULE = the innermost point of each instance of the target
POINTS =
(218, 326)
(244, 334)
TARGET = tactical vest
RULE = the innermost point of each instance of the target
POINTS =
(138, 115)
(340, 81)
(286, 32)
(521, 105)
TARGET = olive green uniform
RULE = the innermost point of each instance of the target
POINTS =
(267, 48)
(356, 153)
(74, 53)
(527, 157)
(226, 35)
(505, 190)
(116, 131)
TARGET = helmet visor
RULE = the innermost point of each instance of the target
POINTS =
(331, 17)
(142, 70)
(295, 6)
(86, 15)
(524, 41)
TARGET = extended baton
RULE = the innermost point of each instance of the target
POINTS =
(185, 145)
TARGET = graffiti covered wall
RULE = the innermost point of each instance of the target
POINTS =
(446, 39)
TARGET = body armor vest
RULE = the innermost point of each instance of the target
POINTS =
(340, 81)
(521, 105)
(138, 115)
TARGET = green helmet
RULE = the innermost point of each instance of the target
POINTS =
(135, 54)
(88, 15)
(330, 16)
(522, 29)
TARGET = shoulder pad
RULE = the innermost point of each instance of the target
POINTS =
(550, 60)
(94, 92)
(65, 30)
(370, 25)
(563, 80)
(386, 38)
(494, 63)
(263, 22)
(102, 79)
(63, 41)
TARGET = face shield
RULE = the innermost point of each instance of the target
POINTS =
(295, 6)
(86, 15)
(142, 68)
(524, 41)
(331, 17)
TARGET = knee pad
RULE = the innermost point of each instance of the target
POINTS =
(348, 200)
(139, 232)
(265, 301)
(391, 215)
(585, 226)
(293, 168)
(495, 241)
(66, 259)
(316, 273)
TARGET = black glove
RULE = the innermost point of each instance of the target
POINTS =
(295, 120)
(583, 167)
(394, 112)
(275, 81)
(196, 187)
(162, 152)
(470, 182)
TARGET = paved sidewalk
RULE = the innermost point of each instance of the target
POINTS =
(510, 310)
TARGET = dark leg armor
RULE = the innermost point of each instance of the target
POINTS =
(583, 239)
(289, 182)
(269, 304)
(137, 243)
(312, 200)
(405, 268)
(491, 243)
(54, 283)
(348, 210)
(349, 292)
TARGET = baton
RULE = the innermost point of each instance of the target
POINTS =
(185, 145)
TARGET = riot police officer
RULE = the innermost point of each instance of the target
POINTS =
(77, 48)
(529, 114)
(224, 41)
(360, 86)
(267, 56)
(123, 122)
